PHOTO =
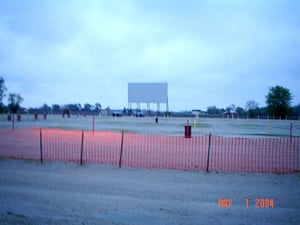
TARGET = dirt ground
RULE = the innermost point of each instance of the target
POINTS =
(66, 193)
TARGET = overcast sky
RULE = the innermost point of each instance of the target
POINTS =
(209, 52)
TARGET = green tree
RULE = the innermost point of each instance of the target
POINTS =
(14, 101)
(240, 111)
(56, 108)
(45, 108)
(213, 110)
(279, 101)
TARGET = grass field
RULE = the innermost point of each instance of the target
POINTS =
(165, 125)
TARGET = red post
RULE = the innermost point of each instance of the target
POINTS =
(187, 130)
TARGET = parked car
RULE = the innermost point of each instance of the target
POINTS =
(139, 114)
(116, 114)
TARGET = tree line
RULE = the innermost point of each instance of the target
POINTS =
(278, 106)
(77, 108)
(278, 101)
(15, 100)
(257, 112)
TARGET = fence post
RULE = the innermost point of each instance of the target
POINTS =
(81, 150)
(291, 132)
(13, 122)
(41, 146)
(121, 151)
(93, 127)
(208, 152)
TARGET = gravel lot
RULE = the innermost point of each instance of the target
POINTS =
(65, 193)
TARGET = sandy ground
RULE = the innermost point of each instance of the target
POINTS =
(65, 193)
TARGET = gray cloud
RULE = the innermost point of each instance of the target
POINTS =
(215, 52)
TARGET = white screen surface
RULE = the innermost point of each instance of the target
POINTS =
(148, 92)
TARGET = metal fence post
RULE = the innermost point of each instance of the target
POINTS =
(121, 151)
(13, 122)
(208, 152)
(41, 145)
(93, 126)
(291, 132)
(81, 150)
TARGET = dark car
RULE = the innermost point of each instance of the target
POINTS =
(116, 114)
(139, 114)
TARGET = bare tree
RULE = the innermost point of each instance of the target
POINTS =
(14, 101)
(2, 89)
(252, 108)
